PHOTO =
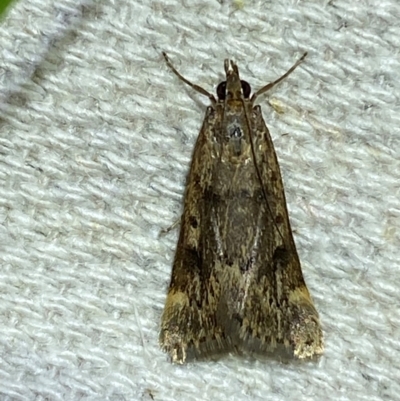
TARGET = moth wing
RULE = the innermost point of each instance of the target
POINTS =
(187, 326)
(279, 312)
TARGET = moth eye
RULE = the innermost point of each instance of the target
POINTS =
(246, 89)
(221, 90)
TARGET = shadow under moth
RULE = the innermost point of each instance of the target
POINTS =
(236, 282)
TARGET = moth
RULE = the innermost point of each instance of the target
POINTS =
(236, 282)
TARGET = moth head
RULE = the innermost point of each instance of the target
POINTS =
(233, 87)
(221, 90)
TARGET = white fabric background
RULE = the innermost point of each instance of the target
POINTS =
(96, 136)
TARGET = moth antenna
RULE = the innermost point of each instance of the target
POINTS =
(197, 88)
(272, 84)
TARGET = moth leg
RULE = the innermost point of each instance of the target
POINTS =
(171, 227)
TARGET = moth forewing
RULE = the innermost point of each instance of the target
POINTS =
(236, 282)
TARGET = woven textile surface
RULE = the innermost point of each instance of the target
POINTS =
(96, 137)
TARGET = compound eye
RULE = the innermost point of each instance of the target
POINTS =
(246, 89)
(221, 90)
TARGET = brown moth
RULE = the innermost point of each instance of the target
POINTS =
(237, 283)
